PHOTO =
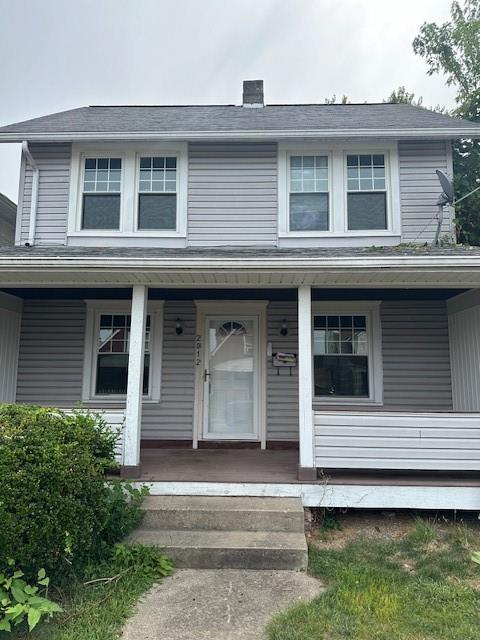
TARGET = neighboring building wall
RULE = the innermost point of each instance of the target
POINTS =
(232, 194)
(8, 214)
(53, 190)
(420, 188)
(464, 325)
(10, 318)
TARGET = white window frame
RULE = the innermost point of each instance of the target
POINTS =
(96, 308)
(370, 309)
(338, 220)
(130, 154)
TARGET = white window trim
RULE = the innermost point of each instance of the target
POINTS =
(328, 154)
(94, 309)
(371, 309)
(338, 221)
(129, 153)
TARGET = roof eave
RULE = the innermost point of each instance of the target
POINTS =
(432, 132)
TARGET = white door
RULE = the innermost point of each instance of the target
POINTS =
(231, 388)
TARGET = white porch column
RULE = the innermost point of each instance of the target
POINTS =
(306, 470)
(136, 356)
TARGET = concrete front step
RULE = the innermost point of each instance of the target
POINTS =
(228, 549)
(183, 513)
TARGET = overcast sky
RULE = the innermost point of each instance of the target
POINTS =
(58, 54)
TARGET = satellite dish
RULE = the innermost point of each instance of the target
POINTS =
(446, 186)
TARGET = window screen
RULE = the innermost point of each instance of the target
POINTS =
(157, 193)
(308, 197)
(101, 193)
(366, 192)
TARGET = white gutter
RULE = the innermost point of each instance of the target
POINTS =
(273, 134)
(34, 196)
(225, 263)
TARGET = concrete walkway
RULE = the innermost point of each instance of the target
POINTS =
(220, 604)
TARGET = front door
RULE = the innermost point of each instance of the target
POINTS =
(231, 386)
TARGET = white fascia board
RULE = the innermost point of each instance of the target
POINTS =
(283, 263)
(276, 134)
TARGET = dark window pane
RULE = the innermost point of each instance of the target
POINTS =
(112, 374)
(157, 211)
(379, 161)
(367, 211)
(158, 163)
(365, 160)
(319, 322)
(359, 322)
(115, 163)
(145, 163)
(171, 163)
(101, 211)
(90, 163)
(333, 321)
(352, 161)
(341, 376)
(309, 211)
(345, 321)
(102, 163)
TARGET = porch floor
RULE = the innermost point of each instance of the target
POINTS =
(273, 467)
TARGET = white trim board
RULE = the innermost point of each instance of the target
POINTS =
(338, 496)
(451, 133)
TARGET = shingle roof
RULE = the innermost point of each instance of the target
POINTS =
(314, 118)
(234, 252)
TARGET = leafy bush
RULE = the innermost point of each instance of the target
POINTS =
(56, 510)
(143, 559)
(20, 601)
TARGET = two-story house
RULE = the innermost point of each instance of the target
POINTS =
(246, 289)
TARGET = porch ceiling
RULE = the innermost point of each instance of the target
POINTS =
(233, 267)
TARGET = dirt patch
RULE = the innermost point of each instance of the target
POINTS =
(379, 525)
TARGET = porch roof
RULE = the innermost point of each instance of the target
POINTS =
(232, 266)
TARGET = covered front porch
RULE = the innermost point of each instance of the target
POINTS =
(256, 389)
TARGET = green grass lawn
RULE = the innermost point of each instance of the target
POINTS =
(93, 611)
(422, 586)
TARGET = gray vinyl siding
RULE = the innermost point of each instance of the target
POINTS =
(282, 388)
(419, 188)
(50, 363)
(232, 194)
(416, 360)
(172, 418)
(430, 442)
(53, 193)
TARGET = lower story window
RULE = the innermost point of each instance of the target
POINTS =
(341, 363)
(112, 355)
(107, 347)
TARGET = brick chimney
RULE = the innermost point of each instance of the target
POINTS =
(253, 93)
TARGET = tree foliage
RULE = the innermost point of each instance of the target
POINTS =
(402, 96)
(453, 49)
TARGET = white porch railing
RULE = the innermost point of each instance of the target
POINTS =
(394, 440)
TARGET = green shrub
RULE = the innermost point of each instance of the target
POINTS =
(56, 510)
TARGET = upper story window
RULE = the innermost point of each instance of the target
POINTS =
(122, 190)
(102, 179)
(339, 190)
(157, 193)
(308, 197)
(366, 191)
